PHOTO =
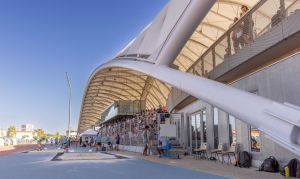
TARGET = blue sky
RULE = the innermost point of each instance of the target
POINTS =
(41, 40)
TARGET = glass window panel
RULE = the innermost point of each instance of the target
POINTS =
(216, 129)
(232, 129)
(198, 125)
(204, 125)
(193, 125)
(255, 139)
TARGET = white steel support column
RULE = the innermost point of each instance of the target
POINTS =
(183, 30)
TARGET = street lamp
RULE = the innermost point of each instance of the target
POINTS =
(69, 104)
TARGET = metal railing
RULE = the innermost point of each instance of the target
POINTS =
(252, 24)
(130, 129)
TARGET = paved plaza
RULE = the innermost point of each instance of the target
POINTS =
(87, 163)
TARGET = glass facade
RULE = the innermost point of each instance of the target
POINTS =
(204, 125)
(232, 129)
(216, 128)
(255, 139)
(198, 126)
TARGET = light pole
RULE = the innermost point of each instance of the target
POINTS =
(69, 104)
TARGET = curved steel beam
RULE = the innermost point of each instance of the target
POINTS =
(255, 110)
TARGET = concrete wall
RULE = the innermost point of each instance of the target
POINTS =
(279, 82)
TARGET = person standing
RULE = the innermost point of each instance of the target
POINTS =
(51, 142)
(98, 142)
(56, 141)
(145, 140)
(65, 141)
(80, 141)
(108, 141)
(92, 142)
(86, 141)
(76, 141)
(117, 142)
(47, 141)
(39, 144)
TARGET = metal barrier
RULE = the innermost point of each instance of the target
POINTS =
(131, 129)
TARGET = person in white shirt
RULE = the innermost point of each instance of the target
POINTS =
(163, 145)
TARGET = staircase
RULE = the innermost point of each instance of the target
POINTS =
(176, 147)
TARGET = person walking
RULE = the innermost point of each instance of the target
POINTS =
(145, 140)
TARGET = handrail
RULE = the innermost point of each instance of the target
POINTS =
(250, 11)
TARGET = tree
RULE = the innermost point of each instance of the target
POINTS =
(56, 135)
(40, 132)
(12, 131)
(25, 136)
(35, 137)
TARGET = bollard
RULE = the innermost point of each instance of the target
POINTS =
(287, 172)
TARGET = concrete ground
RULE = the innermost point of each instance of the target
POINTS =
(216, 168)
(81, 163)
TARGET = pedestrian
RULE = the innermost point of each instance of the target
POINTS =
(80, 141)
(108, 141)
(86, 141)
(76, 141)
(65, 141)
(92, 142)
(51, 142)
(39, 144)
(56, 141)
(117, 142)
(145, 140)
(98, 142)
(47, 141)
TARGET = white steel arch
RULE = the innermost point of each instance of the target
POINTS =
(280, 123)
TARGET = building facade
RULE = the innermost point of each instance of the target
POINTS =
(230, 85)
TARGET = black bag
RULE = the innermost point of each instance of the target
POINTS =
(103, 149)
(244, 159)
(83, 145)
(212, 159)
(292, 165)
(270, 165)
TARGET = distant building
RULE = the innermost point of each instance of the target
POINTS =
(27, 127)
(73, 133)
(29, 134)
(3, 133)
